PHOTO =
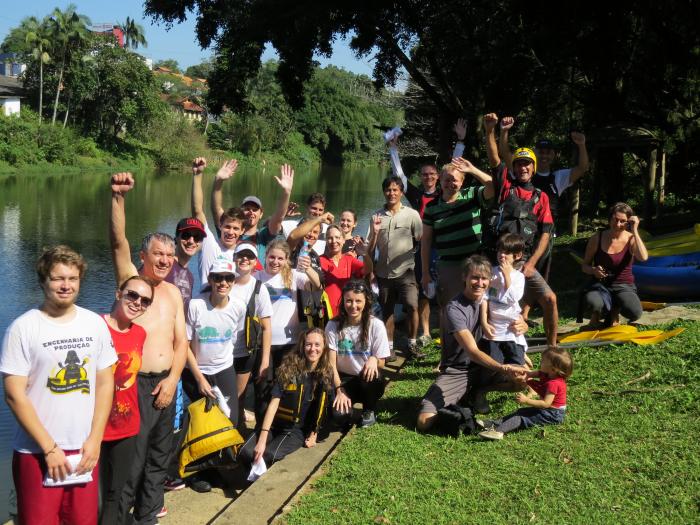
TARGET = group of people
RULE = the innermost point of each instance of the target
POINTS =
(302, 308)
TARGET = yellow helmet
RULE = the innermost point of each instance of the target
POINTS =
(525, 153)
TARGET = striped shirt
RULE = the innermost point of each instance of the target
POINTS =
(456, 225)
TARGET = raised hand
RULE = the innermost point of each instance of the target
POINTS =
(490, 121)
(227, 170)
(286, 178)
(578, 138)
(376, 223)
(122, 182)
(633, 221)
(462, 165)
(292, 210)
(460, 129)
(327, 217)
(507, 123)
(198, 165)
(506, 265)
(360, 245)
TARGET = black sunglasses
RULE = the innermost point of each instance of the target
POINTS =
(219, 277)
(198, 237)
(355, 286)
(133, 296)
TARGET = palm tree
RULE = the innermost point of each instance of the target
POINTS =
(68, 31)
(31, 38)
(133, 34)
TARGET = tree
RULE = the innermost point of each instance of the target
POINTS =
(200, 70)
(134, 34)
(68, 31)
(168, 63)
(30, 40)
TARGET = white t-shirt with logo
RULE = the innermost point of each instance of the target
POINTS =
(211, 249)
(61, 361)
(352, 353)
(285, 325)
(212, 332)
(562, 179)
(504, 305)
(263, 308)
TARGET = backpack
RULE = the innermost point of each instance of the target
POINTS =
(454, 420)
(253, 328)
(513, 215)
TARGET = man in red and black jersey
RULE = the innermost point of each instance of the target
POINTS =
(521, 208)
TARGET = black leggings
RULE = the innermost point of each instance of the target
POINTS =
(115, 467)
(225, 380)
(280, 443)
(361, 391)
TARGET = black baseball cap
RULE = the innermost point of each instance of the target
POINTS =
(545, 144)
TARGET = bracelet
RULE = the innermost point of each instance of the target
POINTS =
(55, 446)
(264, 430)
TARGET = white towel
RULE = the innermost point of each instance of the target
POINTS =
(258, 469)
(71, 479)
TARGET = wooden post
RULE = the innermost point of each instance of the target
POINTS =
(649, 185)
(662, 184)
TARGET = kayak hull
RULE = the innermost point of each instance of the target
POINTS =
(674, 276)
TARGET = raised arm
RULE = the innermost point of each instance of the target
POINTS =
(374, 227)
(490, 121)
(362, 248)
(297, 234)
(582, 167)
(121, 184)
(286, 182)
(197, 199)
(396, 168)
(503, 146)
(639, 250)
(485, 179)
(460, 129)
(225, 172)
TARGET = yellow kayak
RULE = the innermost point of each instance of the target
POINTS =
(620, 334)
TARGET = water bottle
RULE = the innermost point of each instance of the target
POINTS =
(304, 252)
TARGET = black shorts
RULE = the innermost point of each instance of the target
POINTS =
(245, 364)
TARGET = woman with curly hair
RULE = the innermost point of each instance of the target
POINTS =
(359, 347)
(300, 398)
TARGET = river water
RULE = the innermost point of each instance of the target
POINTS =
(40, 211)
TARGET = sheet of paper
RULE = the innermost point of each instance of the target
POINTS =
(258, 469)
(71, 479)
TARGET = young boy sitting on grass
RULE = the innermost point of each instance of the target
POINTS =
(549, 383)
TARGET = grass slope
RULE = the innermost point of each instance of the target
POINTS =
(619, 457)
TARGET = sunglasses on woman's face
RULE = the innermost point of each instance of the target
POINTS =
(133, 296)
(219, 277)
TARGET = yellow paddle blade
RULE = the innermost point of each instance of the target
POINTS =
(581, 336)
(617, 333)
(649, 306)
(657, 338)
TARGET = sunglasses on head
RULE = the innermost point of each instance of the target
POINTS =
(133, 296)
(187, 235)
(355, 286)
(219, 277)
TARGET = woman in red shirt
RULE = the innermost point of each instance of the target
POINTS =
(134, 296)
(338, 267)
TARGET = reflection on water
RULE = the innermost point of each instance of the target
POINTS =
(40, 211)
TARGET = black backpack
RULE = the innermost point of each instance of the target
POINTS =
(455, 420)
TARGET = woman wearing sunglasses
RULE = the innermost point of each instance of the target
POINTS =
(359, 345)
(133, 298)
(212, 320)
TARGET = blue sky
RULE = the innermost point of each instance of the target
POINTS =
(178, 43)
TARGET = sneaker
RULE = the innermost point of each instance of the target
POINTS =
(368, 418)
(174, 484)
(424, 340)
(484, 424)
(479, 403)
(412, 352)
(391, 358)
(163, 512)
(198, 484)
(491, 434)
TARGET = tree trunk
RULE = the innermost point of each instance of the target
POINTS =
(575, 203)
(58, 89)
(41, 84)
(662, 185)
(65, 117)
(649, 186)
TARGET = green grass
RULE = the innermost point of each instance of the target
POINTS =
(618, 458)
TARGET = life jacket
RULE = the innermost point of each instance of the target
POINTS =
(514, 215)
(253, 328)
(548, 185)
(313, 308)
(289, 410)
(209, 431)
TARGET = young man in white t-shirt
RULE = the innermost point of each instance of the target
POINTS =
(56, 364)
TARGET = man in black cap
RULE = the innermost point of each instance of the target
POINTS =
(189, 234)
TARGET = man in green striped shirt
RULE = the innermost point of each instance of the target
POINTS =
(452, 224)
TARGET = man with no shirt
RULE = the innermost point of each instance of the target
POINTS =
(164, 355)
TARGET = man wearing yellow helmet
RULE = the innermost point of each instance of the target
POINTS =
(522, 209)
